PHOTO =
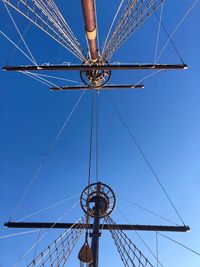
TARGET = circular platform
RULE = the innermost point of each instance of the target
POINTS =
(98, 198)
(95, 78)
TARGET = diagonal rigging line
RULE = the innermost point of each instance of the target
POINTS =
(117, 12)
(46, 156)
(147, 210)
(19, 233)
(192, 250)
(176, 28)
(48, 207)
(18, 43)
(158, 33)
(22, 38)
(12, 42)
(48, 18)
(42, 236)
(171, 40)
(144, 156)
(139, 236)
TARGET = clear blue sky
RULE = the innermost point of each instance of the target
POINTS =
(165, 118)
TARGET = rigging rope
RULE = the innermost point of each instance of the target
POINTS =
(195, 252)
(46, 156)
(97, 135)
(139, 236)
(134, 15)
(21, 36)
(172, 42)
(20, 233)
(144, 156)
(90, 162)
(48, 207)
(129, 253)
(42, 236)
(176, 28)
(46, 15)
(60, 249)
(16, 46)
(147, 210)
(158, 33)
(109, 31)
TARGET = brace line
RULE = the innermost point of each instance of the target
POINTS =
(195, 252)
(46, 156)
(48, 207)
(140, 237)
(22, 38)
(176, 28)
(144, 156)
(147, 210)
(42, 236)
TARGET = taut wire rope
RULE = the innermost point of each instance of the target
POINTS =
(46, 156)
(139, 236)
(48, 207)
(20, 233)
(147, 210)
(157, 247)
(42, 236)
(90, 160)
(116, 14)
(144, 156)
(158, 33)
(97, 135)
(21, 36)
(12, 42)
(176, 28)
(178, 243)
(171, 40)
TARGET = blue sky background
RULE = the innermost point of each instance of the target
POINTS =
(164, 117)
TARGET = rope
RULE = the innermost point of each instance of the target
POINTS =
(20, 233)
(134, 15)
(129, 253)
(36, 247)
(48, 207)
(193, 251)
(57, 78)
(42, 236)
(64, 244)
(144, 156)
(139, 236)
(40, 78)
(116, 14)
(172, 42)
(12, 42)
(97, 136)
(46, 156)
(157, 262)
(15, 49)
(90, 162)
(49, 19)
(21, 36)
(147, 210)
(158, 33)
(176, 28)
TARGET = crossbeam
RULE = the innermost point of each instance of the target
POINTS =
(136, 227)
(110, 87)
(97, 67)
